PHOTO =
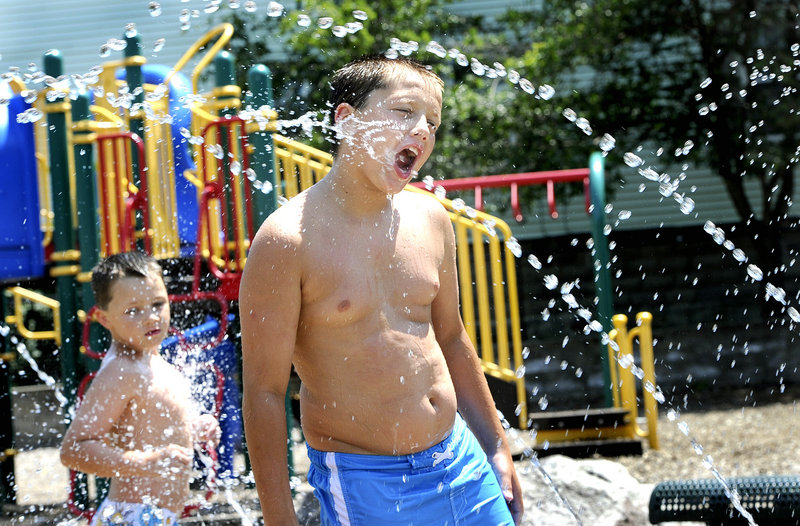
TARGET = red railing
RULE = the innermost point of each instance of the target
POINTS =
(125, 210)
(219, 186)
(514, 181)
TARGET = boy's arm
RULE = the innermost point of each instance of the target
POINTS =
(475, 401)
(85, 447)
(269, 306)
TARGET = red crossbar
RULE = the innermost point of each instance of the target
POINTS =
(514, 181)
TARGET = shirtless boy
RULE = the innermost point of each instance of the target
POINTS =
(354, 282)
(136, 424)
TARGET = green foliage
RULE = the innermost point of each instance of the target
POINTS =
(687, 70)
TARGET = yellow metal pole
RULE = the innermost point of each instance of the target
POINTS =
(644, 321)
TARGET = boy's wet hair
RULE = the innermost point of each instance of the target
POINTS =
(118, 266)
(354, 82)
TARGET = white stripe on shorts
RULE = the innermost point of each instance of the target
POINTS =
(336, 490)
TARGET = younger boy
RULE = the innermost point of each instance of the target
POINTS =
(136, 424)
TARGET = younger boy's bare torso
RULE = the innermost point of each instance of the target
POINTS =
(374, 378)
(157, 414)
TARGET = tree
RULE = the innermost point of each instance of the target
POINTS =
(717, 73)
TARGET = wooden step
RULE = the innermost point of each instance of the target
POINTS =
(588, 448)
(606, 417)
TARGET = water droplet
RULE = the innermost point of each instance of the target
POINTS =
(250, 6)
(551, 282)
(534, 262)
(325, 22)
(436, 49)
(513, 76)
(513, 245)
(546, 91)
(624, 214)
(687, 205)
(520, 372)
(275, 9)
(607, 142)
(340, 31)
(476, 66)
(159, 45)
(211, 7)
(793, 314)
(543, 403)
(354, 27)
(754, 272)
(155, 9)
(632, 160)
(570, 114)
(303, 20)
(526, 86)
(648, 173)
(29, 115)
(706, 83)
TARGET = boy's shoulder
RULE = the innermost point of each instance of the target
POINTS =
(123, 369)
(416, 201)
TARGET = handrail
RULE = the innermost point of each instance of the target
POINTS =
(18, 318)
(225, 31)
(623, 379)
(514, 181)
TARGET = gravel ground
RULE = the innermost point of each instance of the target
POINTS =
(747, 441)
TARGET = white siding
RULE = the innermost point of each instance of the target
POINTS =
(490, 7)
(78, 28)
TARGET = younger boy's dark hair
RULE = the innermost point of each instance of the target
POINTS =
(355, 81)
(118, 266)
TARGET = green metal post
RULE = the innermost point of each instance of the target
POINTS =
(133, 76)
(134, 79)
(262, 160)
(63, 245)
(63, 234)
(602, 260)
(8, 492)
(88, 235)
(224, 76)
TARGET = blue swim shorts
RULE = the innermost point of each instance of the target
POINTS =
(111, 513)
(449, 484)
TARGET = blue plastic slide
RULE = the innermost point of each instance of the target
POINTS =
(21, 251)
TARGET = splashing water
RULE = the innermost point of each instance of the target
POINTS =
(48, 380)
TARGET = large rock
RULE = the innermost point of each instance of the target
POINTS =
(592, 492)
(562, 491)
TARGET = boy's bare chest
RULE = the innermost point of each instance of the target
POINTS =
(161, 411)
(349, 277)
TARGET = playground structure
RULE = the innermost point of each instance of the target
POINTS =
(155, 165)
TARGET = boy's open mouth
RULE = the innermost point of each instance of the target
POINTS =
(405, 160)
